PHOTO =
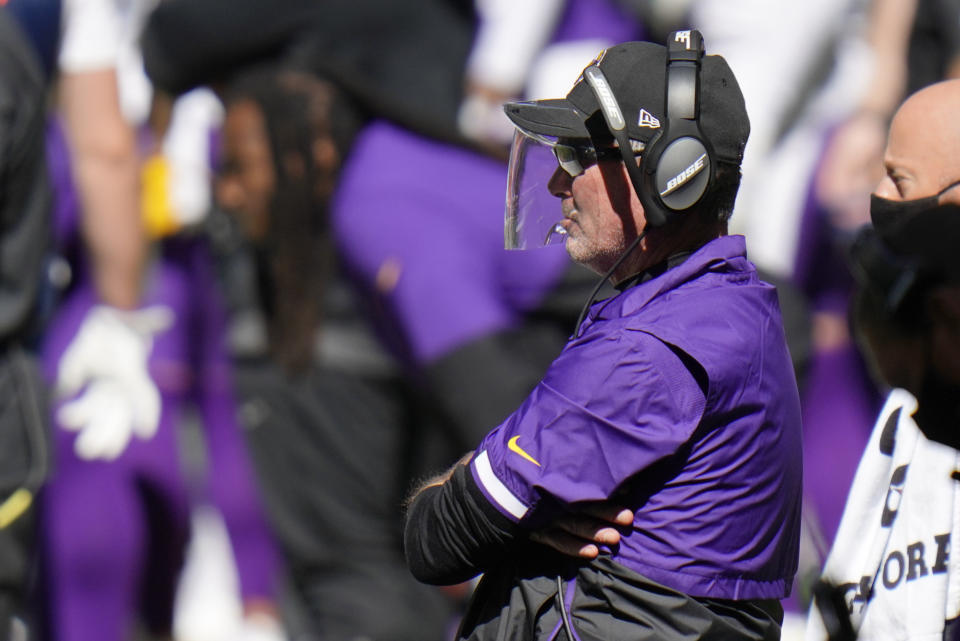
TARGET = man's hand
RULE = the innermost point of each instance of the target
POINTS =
(581, 534)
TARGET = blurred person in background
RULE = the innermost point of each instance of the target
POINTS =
(117, 400)
(904, 47)
(330, 420)
(891, 573)
(116, 512)
(314, 389)
(479, 333)
(472, 338)
(906, 316)
(42, 45)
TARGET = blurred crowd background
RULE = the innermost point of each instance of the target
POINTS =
(326, 312)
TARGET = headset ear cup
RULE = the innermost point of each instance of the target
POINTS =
(682, 174)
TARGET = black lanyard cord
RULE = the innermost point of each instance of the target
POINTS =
(606, 277)
(564, 616)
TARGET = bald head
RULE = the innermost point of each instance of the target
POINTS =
(923, 148)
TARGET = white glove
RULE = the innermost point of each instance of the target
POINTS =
(108, 360)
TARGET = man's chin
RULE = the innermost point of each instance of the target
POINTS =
(572, 247)
(579, 254)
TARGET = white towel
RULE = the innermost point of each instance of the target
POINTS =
(894, 554)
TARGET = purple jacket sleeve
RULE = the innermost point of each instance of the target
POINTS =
(608, 408)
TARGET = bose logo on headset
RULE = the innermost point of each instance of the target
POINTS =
(678, 181)
(684, 37)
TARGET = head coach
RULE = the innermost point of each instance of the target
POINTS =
(674, 398)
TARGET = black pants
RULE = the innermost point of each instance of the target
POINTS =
(520, 601)
(332, 450)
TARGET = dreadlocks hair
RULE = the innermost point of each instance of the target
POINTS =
(310, 125)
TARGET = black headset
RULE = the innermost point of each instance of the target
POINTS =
(677, 166)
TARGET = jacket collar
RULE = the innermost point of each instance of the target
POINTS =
(724, 254)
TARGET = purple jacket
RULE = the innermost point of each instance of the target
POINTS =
(678, 400)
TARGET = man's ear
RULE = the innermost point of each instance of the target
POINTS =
(616, 182)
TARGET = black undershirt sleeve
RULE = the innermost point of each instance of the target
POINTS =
(452, 532)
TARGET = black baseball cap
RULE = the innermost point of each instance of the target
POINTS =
(636, 72)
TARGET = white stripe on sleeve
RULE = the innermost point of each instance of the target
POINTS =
(495, 487)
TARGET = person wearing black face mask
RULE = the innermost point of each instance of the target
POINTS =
(888, 214)
(891, 562)
(907, 312)
(921, 160)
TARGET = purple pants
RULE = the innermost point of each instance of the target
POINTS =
(114, 532)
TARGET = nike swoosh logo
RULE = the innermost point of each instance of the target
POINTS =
(513, 447)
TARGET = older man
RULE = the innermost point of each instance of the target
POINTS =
(675, 398)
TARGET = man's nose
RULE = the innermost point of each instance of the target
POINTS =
(887, 189)
(560, 183)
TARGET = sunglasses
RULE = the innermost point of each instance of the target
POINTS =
(576, 159)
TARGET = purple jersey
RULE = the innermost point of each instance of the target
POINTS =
(678, 399)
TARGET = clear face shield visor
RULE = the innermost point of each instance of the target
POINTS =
(542, 169)
(533, 214)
